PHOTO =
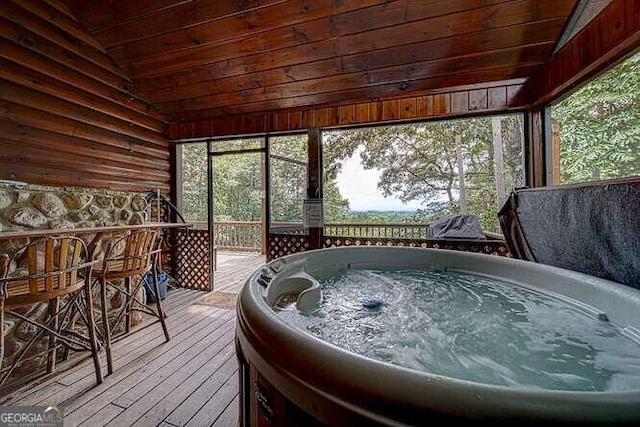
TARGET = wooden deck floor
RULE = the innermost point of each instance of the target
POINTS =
(233, 269)
(191, 380)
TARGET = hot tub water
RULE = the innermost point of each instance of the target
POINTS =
(472, 328)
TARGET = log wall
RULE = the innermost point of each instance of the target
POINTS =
(70, 117)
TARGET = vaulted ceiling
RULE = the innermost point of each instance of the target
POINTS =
(205, 58)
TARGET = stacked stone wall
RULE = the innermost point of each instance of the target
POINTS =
(30, 207)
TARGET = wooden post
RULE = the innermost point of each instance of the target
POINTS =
(263, 202)
(314, 180)
(535, 147)
(555, 152)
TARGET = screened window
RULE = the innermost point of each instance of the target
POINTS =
(595, 131)
(193, 179)
(238, 175)
(288, 179)
(407, 175)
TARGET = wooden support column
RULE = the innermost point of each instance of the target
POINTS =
(264, 217)
(535, 147)
(314, 180)
(555, 152)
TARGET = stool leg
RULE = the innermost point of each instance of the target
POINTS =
(105, 325)
(54, 306)
(128, 306)
(159, 304)
(91, 327)
(1, 333)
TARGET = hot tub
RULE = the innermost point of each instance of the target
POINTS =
(289, 376)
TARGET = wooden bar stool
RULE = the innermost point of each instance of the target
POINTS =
(54, 270)
(129, 258)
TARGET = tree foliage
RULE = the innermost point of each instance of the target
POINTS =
(418, 163)
(237, 182)
(194, 181)
(599, 126)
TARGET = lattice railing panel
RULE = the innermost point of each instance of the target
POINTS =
(491, 247)
(286, 244)
(191, 260)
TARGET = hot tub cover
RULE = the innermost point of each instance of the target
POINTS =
(592, 228)
(456, 227)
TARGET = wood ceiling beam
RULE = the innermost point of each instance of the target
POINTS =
(537, 32)
(402, 75)
(181, 17)
(381, 92)
(204, 57)
(310, 36)
(99, 14)
(439, 27)
(61, 7)
(292, 12)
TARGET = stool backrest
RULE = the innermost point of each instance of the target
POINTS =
(131, 254)
(46, 268)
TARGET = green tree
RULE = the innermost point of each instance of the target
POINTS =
(237, 182)
(418, 163)
(289, 182)
(237, 187)
(599, 126)
(194, 181)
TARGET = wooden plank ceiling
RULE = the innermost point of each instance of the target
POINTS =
(207, 58)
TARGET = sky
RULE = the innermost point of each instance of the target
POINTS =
(360, 187)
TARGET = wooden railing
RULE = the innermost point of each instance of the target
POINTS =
(235, 235)
(385, 231)
(238, 235)
(244, 235)
(247, 235)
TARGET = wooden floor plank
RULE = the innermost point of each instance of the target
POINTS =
(142, 412)
(133, 345)
(87, 380)
(229, 418)
(101, 417)
(192, 379)
(33, 399)
(158, 388)
(234, 268)
(136, 373)
(176, 321)
(83, 377)
(206, 380)
(211, 410)
(197, 399)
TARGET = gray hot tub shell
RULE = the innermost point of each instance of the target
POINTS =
(338, 387)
